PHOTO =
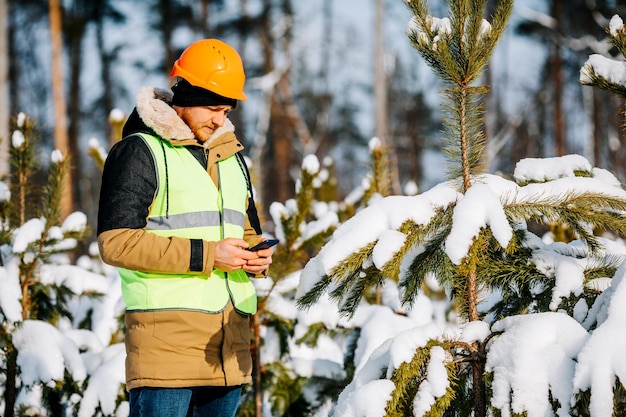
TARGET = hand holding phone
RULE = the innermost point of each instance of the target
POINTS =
(266, 244)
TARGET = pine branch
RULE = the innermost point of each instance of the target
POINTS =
(314, 331)
(514, 276)
(316, 240)
(416, 235)
(350, 294)
(304, 197)
(54, 188)
(312, 334)
(283, 327)
(431, 259)
(602, 267)
(23, 158)
(618, 38)
(286, 388)
(408, 377)
(351, 265)
(351, 282)
(616, 33)
(381, 183)
(308, 299)
(589, 77)
(422, 36)
(97, 157)
(582, 212)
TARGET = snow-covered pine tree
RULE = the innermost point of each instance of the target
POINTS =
(53, 329)
(471, 234)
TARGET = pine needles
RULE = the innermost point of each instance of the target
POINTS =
(409, 376)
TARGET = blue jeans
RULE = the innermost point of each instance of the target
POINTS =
(184, 402)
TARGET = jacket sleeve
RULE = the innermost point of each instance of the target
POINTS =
(129, 184)
(136, 249)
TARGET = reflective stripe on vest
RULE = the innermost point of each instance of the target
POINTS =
(188, 204)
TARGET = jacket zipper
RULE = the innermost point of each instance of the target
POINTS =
(221, 199)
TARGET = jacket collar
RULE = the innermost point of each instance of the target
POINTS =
(153, 107)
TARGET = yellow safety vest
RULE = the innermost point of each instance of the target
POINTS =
(196, 209)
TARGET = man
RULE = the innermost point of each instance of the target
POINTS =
(176, 215)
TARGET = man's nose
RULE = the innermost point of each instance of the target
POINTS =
(219, 118)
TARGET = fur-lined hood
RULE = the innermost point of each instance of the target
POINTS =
(156, 113)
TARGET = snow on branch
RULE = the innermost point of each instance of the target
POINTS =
(611, 70)
(607, 73)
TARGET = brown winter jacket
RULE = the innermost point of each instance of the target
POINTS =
(169, 348)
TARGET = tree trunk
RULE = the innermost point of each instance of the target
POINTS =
(105, 74)
(557, 81)
(480, 403)
(596, 129)
(478, 364)
(472, 295)
(74, 36)
(278, 184)
(166, 26)
(204, 28)
(380, 96)
(380, 80)
(4, 89)
(616, 126)
(621, 131)
(61, 139)
(323, 118)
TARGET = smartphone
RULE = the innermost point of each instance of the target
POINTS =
(264, 245)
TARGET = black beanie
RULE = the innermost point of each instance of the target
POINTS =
(187, 95)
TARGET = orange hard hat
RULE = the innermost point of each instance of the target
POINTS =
(213, 65)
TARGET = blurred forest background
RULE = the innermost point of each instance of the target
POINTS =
(324, 77)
